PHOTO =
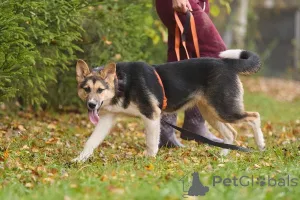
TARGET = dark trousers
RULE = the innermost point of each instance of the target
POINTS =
(210, 43)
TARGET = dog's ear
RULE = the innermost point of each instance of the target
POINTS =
(109, 72)
(82, 70)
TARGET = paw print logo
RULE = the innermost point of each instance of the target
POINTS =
(261, 181)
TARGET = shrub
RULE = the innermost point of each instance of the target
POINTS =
(123, 30)
(37, 42)
(40, 41)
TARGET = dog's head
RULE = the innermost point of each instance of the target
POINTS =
(95, 87)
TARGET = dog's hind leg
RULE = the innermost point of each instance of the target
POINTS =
(253, 119)
(232, 130)
(152, 127)
(102, 129)
(225, 130)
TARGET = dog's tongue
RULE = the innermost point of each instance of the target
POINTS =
(94, 117)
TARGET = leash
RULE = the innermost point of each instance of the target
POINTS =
(179, 29)
(205, 140)
(189, 23)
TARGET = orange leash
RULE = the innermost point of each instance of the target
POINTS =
(195, 37)
(180, 29)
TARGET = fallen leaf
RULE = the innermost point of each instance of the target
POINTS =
(256, 166)
(73, 185)
(108, 42)
(52, 141)
(35, 150)
(21, 128)
(118, 56)
(51, 126)
(67, 198)
(116, 190)
(186, 161)
(5, 154)
(48, 180)
(25, 147)
(103, 178)
(29, 185)
(149, 167)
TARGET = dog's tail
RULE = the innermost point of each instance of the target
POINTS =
(244, 62)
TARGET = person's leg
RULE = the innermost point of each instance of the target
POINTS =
(194, 122)
(165, 12)
(167, 134)
(211, 46)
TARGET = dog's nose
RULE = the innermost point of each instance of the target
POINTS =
(91, 105)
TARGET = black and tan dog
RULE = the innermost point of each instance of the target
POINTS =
(134, 88)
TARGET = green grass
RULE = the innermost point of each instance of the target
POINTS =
(34, 164)
(272, 110)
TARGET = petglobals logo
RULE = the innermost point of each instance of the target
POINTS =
(192, 185)
(196, 188)
(261, 181)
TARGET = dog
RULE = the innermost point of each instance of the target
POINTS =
(139, 89)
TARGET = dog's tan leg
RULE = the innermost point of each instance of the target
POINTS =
(223, 129)
(152, 129)
(232, 130)
(226, 131)
(253, 119)
(102, 129)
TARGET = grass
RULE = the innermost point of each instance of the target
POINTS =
(34, 155)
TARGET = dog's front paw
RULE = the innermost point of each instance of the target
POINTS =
(224, 152)
(262, 147)
(151, 153)
(84, 156)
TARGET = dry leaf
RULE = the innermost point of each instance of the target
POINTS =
(116, 190)
(103, 178)
(5, 154)
(51, 126)
(25, 147)
(149, 167)
(256, 166)
(73, 185)
(108, 42)
(35, 150)
(67, 198)
(118, 56)
(52, 141)
(48, 180)
(21, 128)
(186, 161)
(29, 185)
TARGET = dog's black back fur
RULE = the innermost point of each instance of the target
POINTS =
(216, 79)
(136, 80)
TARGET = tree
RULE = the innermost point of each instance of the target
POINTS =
(37, 42)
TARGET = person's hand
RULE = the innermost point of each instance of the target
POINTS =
(181, 5)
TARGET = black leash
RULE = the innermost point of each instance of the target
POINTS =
(200, 138)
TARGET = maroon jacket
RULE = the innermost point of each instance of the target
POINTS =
(210, 41)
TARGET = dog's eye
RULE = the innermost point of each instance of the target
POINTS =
(87, 89)
(100, 90)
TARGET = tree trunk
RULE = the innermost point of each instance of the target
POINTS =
(228, 34)
(240, 25)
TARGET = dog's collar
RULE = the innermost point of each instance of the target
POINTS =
(165, 100)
